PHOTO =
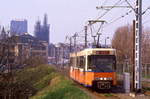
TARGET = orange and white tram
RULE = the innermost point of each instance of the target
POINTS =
(94, 67)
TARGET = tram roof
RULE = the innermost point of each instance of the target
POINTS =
(89, 51)
(99, 49)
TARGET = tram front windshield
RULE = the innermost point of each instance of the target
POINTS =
(102, 63)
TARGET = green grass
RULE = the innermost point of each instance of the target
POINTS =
(148, 76)
(37, 77)
(49, 84)
(61, 88)
(146, 89)
(45, 81)
(108, 95)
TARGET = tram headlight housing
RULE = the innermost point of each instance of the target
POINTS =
(103, 78)
(109, 78)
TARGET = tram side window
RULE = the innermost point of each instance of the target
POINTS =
(74, 62)
(78, 61)
(114, 66)
(71, 61)
(82, 61)
(89, 61)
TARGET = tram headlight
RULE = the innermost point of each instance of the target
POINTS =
(97, 78)
(101, 78)
(105, 78)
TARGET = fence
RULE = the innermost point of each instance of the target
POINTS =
(121, 68)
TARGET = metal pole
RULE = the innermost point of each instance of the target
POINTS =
(138, 35)
(106, 41)
(133, 74)
(98, 45)
(94, 40)
(70, 44)
(85, 36)
(63, 56)
(75, 36)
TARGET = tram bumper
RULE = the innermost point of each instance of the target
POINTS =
(102, 84)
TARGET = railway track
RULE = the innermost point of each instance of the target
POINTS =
(98, 94)
(115, 93)
(94, 94)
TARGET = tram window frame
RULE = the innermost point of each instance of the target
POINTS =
(74, 61)
(113, 66)
(82, 62)
(71, 61)
(78, 61)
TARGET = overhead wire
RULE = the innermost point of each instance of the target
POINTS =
(127, 13)
(129, 5)
(105, 2)
(122, 16)
(117, 3)
(147, 9)
(106, 11)
(105, 14)
(109, 9)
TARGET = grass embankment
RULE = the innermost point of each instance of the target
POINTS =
(147, 76)
(49, 84)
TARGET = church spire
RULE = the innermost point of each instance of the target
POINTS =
(45, 20)
(3, 34)
(3, 31)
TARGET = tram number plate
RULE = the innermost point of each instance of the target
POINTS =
(103, 85)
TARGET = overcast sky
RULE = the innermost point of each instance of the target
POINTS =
(67, 16)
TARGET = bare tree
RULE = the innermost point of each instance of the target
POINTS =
(123, 43)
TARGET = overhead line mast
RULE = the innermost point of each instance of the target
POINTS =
(138, 36)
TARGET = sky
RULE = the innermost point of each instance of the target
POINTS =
(67, 17)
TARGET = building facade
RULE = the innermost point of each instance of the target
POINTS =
(24, 47)
(18, 27)
(59, 53)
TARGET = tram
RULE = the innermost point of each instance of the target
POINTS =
(94, 67)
